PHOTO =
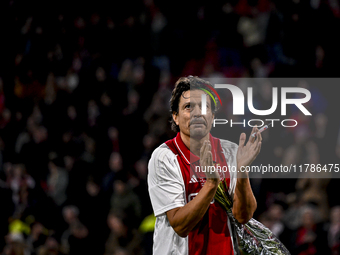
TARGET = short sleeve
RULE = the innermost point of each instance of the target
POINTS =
(165, 181)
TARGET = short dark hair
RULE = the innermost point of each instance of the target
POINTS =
(184, 84)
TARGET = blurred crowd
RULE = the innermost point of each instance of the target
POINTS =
(84, 100)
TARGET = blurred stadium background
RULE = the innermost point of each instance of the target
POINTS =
(84, 92)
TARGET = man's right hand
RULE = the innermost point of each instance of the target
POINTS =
(207, 162)
(184, 219)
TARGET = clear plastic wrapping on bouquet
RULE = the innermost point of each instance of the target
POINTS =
(250, 238)
(254, 238)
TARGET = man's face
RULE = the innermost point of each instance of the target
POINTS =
(189, 118)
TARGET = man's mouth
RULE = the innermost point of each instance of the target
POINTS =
(198, 122)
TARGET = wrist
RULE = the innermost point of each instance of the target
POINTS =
(212, 182)
(242, 171)
(242, 174)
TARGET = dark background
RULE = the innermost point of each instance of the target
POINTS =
(84, 92)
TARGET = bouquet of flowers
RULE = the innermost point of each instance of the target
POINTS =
(250, 238)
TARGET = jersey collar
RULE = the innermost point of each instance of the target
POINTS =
(187, 154)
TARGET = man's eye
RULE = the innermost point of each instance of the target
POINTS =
(188, 106)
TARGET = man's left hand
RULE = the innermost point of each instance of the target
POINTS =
(247, 153)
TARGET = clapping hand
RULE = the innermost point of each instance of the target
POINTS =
(247, 152)
(206, 162)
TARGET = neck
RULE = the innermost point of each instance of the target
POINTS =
(194, 145)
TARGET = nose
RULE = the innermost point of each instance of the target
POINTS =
(197, 111)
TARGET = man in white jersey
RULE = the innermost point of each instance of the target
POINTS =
(189, 221)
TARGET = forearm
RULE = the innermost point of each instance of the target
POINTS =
(185, 218)
(244, 201)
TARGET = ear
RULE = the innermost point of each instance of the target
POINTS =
(175, 117)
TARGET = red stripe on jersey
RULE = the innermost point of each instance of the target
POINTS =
(211, 234)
